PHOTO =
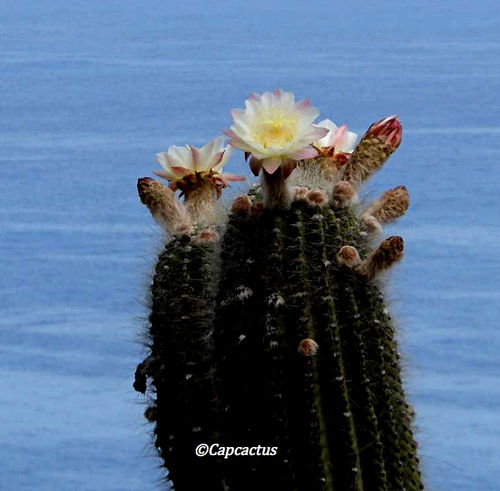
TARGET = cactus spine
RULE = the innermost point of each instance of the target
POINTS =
(275, 334)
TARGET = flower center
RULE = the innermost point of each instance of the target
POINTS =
(274, 128)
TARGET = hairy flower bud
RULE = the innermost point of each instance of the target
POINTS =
(348, 256)
(390, 206)
(308, 347)
(388, 253)
(376, 146)
(166, 210)
(343, 195)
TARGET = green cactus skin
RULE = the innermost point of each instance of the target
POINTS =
(179, 366)
(225, 326)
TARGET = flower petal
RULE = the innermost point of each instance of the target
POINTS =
(181, 171)
(349, 143)
(271, 164)
(164, 175)
(339, 136)
(195, 155)
(304, 153)
(316, 134)
(232, 177)
(273, 128)
(303, 104)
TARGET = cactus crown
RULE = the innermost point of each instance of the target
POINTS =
(269, 333)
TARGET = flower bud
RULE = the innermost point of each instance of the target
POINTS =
(388, 253)
(317, 198)
(166, 210)
(370, 224)
(207, 236)
(376, 146)
(343, 195)
(308, 347)
(390, 206)
(388, 130)
(242, 204)
(348, 256)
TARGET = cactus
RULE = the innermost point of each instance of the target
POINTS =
(269, 332)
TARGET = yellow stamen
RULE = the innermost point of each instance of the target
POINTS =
(275, 128)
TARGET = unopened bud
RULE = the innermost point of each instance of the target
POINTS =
(316, 198)
(388, 253)
(390, 206)
(388, 130)
(308, 347)
(242, 204)
(207, 236)
(373, 150)
(300, 192)
(343, 195)
(348, 256)
(143, 185)
(164, 207)
(370, 224)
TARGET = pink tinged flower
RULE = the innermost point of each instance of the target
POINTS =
(275, 129)
(180, 162)
(388, 130)
(340, 139)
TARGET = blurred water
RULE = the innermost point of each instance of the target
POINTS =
(91, 90)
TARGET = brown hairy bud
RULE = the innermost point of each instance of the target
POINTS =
(242, 204)
(166, 210)
(348, 256)
(388, 253)
(207, 236)
(343, 195)
(373, 150)
(300, 192)
(317, 198)
(390, 206)
(370, 224)
(308, 347)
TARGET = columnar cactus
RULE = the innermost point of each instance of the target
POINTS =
(268, 330)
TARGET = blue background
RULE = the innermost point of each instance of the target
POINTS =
(91, 90)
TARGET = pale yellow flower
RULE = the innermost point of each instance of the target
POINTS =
(189, 162)
(275, 130)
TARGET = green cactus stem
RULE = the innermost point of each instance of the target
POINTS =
(272, 333)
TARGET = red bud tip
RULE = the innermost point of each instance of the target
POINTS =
(389, 130)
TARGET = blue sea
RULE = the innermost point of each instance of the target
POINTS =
(91, 90)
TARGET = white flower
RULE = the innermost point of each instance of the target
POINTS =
(181, 162)
(275, 129)
(342, 140)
